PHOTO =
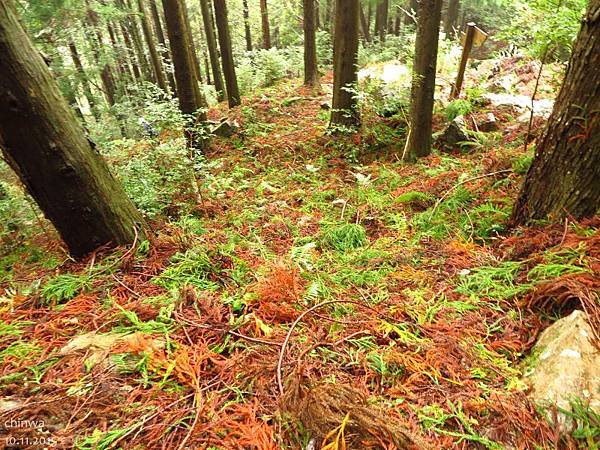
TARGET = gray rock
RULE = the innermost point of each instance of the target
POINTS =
(565, 366)
(489, 124)
(453, 135)
(226, 128)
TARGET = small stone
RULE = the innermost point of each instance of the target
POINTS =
(226, 128)
(490, 124)
(325, 105)
(454, 135)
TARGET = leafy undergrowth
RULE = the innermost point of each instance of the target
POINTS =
(306, 293)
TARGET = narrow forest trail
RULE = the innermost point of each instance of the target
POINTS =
(419, 306)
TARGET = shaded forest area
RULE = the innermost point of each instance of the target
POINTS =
(285, 224)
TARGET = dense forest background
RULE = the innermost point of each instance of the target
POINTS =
(286, 224)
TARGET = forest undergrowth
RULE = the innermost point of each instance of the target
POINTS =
(314, 288)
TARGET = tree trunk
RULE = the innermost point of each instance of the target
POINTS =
(397, 23)
(423, 82)
(233, 93)
(96, 42)
(248, 34)
(159, 74)
(192, 44)
(450, 18)
(311, 69)
(160, 36)
(122, 66)
(317, 15)
(563, 178)
(381, 18)
(87, 91)
(213, 53)
(364, 25)
(264, 13)
(133, 61)
(46, 146)
(185, 76)
(134, 31)
(345, 56)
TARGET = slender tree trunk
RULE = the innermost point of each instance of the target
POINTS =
(233, 93)
(364, 25)
(450, 18)
(266, 32)
(190, 38)
(311, 69)
(133, 61)
(248, 34)
(381, 18)
(122, 67)
(159, 74)
(563, 179)
(46, 146)
(185, 76)
(134, 32)
(397, 23)
(160, 36)
(345, 55)
(423, 82)
(87, 91)
(213, 53)
(96, 42)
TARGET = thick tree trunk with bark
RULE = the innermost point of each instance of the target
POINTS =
(266, 31)
(233, 93)
(311, 69)
(185, 76)
(451, 17)
(564, 178)
(213, 53)
(345, 57)
(423, 82)
(192, 44)
(160, 36)
(46, 146)
(159, 73)
(247, 32)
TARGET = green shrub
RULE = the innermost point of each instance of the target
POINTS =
(458, 107)
(344, 237)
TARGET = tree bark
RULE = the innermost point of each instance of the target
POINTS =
(381, 19)
(192, 44)
(95, 37)
(213, 53)
(160, 36)
(233, 93)
(133, 61)
(345, 55)
(46, 146)
(450, 18)
(159, 74)
(185, 76)
(266, 32)
(563, 179)
(87, 91)
(134, 31)
(247, 31)
(423, 82)
(311, 69)
(364, 24)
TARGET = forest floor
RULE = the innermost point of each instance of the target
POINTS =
(318, 291)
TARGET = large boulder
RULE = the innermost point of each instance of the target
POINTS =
(565, 365)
